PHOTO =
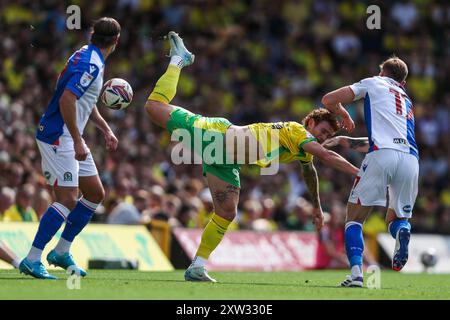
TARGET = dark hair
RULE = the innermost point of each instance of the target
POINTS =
(105, 32)
(395, 68)
(322, 114)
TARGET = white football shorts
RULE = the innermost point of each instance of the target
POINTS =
(59, 166)
(383, 170)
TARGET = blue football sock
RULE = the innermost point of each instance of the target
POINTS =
(354, 244)
(78, 219)
(50, 223)
(398, 224)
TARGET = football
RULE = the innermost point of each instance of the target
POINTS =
(117, 94)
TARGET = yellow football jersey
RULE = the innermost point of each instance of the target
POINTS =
(291, 136)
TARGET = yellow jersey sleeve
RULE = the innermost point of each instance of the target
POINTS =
(296, 137)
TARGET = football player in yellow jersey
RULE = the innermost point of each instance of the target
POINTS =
(272, 142)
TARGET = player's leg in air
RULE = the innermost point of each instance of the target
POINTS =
(158, 108)
(7, 255)
(223, 180)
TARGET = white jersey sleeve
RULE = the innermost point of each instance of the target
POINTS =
(360, 88)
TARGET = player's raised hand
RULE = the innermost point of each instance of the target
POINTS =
(111, 141)
(347, 123)
(318, 218)
(81, 150)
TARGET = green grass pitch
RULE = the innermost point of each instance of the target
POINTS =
(114, 284)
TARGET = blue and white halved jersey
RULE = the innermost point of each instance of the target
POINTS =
(388, 113)
(82, 75)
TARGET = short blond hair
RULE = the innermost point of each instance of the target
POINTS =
(395, 68)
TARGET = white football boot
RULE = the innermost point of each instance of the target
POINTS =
(177, 48)
(353, 282)
(194, 273)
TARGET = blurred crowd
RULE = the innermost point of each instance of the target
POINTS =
(256, 61)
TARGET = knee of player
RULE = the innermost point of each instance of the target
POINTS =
(227, 212)
(150, 106)
(96, 197)
(69, 202)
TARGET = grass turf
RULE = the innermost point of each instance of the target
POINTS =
(115, 284)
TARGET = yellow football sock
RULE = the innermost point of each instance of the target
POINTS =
(212, 235)
(166, 87)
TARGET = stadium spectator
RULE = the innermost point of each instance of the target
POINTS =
(300, 216)
(7, 197)
(141, 200)
(185, 217)
(331, 249)
(41, 202)
(22, 209)
(123, 213)
(204, 214)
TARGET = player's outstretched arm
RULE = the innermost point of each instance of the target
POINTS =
(330, 158)
(312, 183)
(360, 144)
(333, 101)
(110, 138)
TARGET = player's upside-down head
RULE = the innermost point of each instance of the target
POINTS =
(321, 123)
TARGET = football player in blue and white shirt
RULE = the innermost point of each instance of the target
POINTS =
(67, 162)
(392, 161)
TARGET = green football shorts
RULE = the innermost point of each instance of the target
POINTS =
(203, 131)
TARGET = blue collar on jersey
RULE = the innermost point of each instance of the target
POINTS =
(98, 51)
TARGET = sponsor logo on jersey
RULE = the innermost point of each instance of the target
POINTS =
(364, 167)
(41, 127)
(86, 79)
(278, 125)
(47, 175)
(407, 209)
(67, 176)
(400, 141)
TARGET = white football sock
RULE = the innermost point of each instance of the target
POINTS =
(35, 254)
(199, 262)
(16, 263)
(356, 271)
(177, 61)
(63, 246)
